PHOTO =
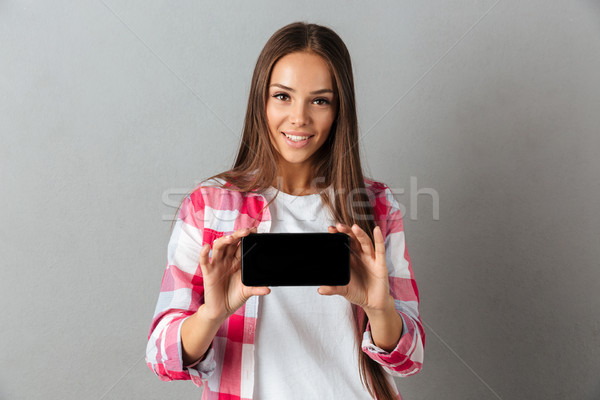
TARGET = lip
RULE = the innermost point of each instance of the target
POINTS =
(297, 145)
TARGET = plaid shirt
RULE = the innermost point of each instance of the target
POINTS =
(228, 367)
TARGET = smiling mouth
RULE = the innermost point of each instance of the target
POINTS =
(297, 138)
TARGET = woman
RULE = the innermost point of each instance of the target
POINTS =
(297, 170)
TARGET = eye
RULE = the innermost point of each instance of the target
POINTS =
(321, 101)
(281, 96)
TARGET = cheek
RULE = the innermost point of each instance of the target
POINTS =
(327, 122)
(273, 117)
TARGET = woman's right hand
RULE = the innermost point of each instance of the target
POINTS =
(224, 291)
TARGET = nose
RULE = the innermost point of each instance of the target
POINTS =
(299, 114)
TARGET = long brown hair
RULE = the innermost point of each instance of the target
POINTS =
(336, 164)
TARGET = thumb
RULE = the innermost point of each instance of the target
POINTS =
(257, 290)
(331, 290)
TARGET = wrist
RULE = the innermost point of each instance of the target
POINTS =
(376, 313)
(197, 333)
(204, 316)
(386, 326)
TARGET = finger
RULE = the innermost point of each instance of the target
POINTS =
(343, 228)
(237, 251)
(240, 233)
(364, 240)
(332, 229)
(379, 243)
(236, 238)
(237, 257)
(225, 246)
(355, 246)
(347, 230)
(219, 248)
(256, 290)
(204, 251)
(332, 290)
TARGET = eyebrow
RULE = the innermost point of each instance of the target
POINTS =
(320, 91)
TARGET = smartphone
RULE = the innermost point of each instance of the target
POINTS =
(295, 259)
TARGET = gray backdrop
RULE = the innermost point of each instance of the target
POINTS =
(111, 110)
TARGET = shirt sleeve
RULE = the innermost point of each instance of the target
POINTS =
(407, 357)
(181, 293)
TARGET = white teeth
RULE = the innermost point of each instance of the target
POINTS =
(296, 138)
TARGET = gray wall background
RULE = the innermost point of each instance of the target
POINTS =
(111, 110)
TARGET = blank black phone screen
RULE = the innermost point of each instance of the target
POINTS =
(295, 259)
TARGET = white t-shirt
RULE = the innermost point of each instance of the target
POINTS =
(305, 343)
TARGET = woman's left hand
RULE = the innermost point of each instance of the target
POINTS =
(369, 283)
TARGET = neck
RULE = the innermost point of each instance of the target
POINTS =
(296, 180)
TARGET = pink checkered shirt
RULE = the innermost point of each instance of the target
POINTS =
(210, 212)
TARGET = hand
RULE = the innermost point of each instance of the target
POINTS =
(369, 283)
(224, 291)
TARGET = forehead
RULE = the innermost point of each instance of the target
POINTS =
(302, 71)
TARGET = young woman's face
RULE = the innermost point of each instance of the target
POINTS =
(301, 106)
